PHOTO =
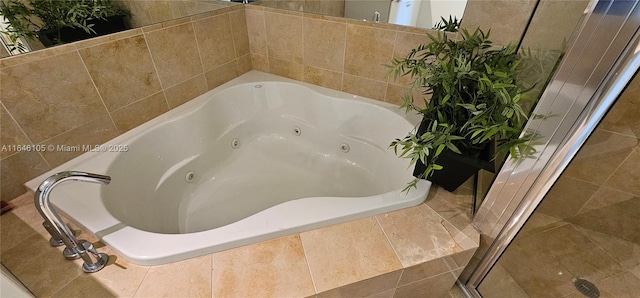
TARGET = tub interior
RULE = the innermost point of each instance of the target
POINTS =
(251, 147)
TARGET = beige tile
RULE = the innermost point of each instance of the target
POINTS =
(216, 46)
(241, 272)
(539, 222)
(18, 169)
(324, 44)
(324, 8)
(166, 24)
(240, 32)
(244, 64)
(139, 112)
(186, 91)
(45, 271)
(46, 99)
(323, 77)
(592, 264)
(286, 69)
(284, 37)
(565, 15)
(619, 220)
(567, 197)
(385, 294)
(622, 285)
(609, 149)
(14, 229)
(346, 253)
(536, 272)
(76, 141)
(375, 287)
(84, 286)
(256, 31)
(11, 134)
(406, 229)
(499, 283)
(189, 278)
(364, 87)
(623, 116)
(37, 55)
(119, 277)
(368, 49)
(423, 270)
(503, 17)
(221, 74)
(437, 286)
(149, 12)
(395, 94)
(627, 176)
(625, 252)
(95, 41)
(455, 206)
(605, 197)
(260, 62)
(175, 53)
(25, 210)
(122, 71)
(406, 41)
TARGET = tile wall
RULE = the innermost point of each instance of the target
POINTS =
(75, 94)
(88, 92)
(151, 12)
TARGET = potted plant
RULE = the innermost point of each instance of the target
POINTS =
(474, 112)
(61, 21)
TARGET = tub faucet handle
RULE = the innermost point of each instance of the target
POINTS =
(60, 232)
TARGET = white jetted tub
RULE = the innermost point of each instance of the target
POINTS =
(256, 158)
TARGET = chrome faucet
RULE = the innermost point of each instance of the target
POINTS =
(376, 16)
(60, 233)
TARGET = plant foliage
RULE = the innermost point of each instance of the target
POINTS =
(450, 25)
(474, 99)
(26, 18)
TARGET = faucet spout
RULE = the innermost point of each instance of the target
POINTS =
(93, 261)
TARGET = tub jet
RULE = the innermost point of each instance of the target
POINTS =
(297, 131)
(190, 177)
(345, 147)
(235, 143)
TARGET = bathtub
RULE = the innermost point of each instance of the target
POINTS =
(254, 159)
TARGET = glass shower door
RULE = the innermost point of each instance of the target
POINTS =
(579, 194)
(583, 240)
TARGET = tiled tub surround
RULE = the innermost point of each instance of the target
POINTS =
(342, 69)
(414, 252)
(91, 91)
(88, 92)
(259, 189)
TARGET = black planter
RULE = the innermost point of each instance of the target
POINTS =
(456, 168)
(112, 24)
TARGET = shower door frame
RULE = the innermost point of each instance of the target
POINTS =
(603, 56)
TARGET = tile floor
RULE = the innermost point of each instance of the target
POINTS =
(283, 267)
(549, 253)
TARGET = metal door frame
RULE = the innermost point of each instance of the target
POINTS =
(602, 58)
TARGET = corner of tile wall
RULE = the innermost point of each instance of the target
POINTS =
(337, 53)
(88, 92)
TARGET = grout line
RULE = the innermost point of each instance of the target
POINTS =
(233, 39)
(388, 240)
(344, 56)
(195, 37)
(266, 39)
(304, 251)
(99, 95)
